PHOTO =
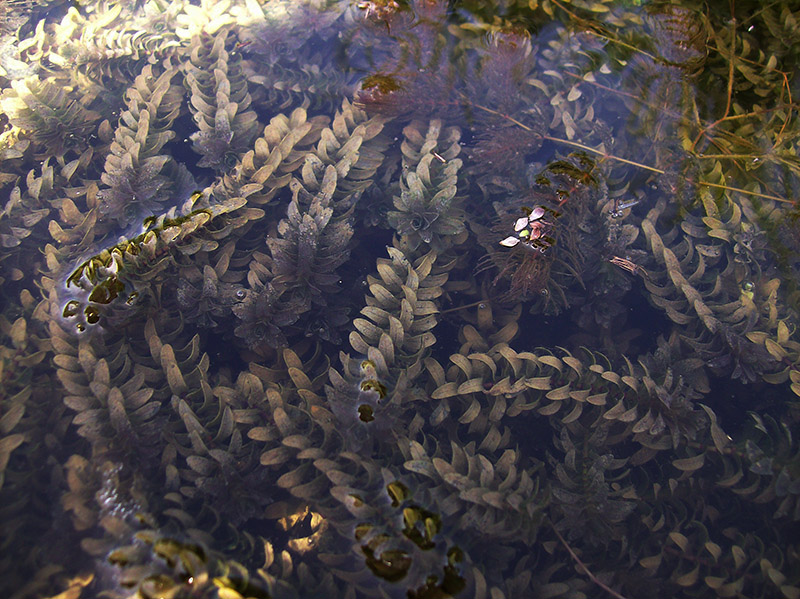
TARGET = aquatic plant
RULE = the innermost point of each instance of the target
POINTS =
(56, 122)
(399, 299)
(220, 103)
(427, 209)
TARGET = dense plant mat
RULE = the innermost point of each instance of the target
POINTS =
(414, 298)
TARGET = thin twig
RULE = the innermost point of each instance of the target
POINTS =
(732, 156)
(784, 85)
(731, 72)
(682, 119)
(583, 567)
(574, 144)
(593, 28)
(465, 307)
(608, 156)
(567, 142)
(766, 196)
(731, 69)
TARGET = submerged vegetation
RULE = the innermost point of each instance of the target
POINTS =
(414, 299)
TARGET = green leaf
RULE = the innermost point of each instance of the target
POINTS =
(680, 540)
(689, 578)
(783, 332)
(775, 350)
(690, 464)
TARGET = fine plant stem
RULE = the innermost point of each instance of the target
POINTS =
(625, 160)
(567, 142)
(731, 69)
(465, 306)
(732, 156)
(766, 196)
(603, 154)
(585, 569)
(731, 73)
(592, 29)
(788, 89)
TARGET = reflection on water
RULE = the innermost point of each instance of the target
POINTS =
(413, 299)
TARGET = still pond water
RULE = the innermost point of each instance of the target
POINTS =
(414, 299)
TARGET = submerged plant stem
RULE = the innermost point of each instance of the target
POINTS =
(465, 306)
(729, 100)
(583, 566)
(646, 167)
(592, 29)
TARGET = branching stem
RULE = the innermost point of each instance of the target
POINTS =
(465, 306)
(583, 566)
(608, 156)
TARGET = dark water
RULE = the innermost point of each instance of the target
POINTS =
(414, 299)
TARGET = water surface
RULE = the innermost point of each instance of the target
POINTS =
(413, 299)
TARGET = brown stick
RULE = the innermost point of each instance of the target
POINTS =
(583, 567)
(625, 160)
(466, 306)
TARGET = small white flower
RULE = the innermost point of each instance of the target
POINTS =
(536, 213)
(510, 242)
(521, 223)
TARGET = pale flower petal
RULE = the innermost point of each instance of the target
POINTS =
(510, 242)
(536, 213)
